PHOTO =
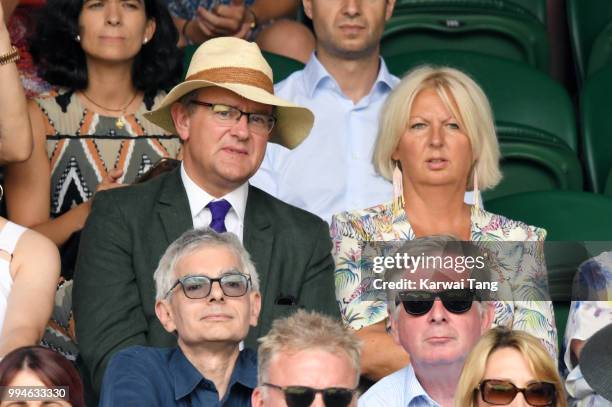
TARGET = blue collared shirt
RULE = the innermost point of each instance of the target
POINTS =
(331, 171)
(145, 376)
(399, 389)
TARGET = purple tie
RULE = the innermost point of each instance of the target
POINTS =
(218, 209)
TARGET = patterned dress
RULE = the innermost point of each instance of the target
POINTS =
(388, 222)
(83, 146)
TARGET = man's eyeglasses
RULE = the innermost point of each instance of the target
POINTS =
(196, 287)
(420, 302)
(260, 123)
(303, 396)
(502, 392)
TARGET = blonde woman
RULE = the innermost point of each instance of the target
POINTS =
(436, 141)
(509, 368)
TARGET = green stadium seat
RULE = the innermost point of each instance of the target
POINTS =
(500, 28)
(535, 166)
(282, 66)
(590, 26)
(596, 128)
(571, 219)
(525, 101)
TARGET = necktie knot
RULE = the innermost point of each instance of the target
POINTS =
(218, 210)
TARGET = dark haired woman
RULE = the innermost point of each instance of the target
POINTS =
(35, 366)
(113, 59)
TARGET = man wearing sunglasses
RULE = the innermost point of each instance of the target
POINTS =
(225, 112)
(207, 294)
(437, 328)
(305, 360)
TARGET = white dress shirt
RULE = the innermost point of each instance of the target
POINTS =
(198, 199)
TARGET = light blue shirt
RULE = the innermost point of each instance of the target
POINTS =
(399, 389)
(331, 171)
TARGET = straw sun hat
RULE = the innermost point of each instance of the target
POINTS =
(238, 66)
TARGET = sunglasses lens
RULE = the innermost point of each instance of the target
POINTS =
(196, 287)
(457, 301)
(497, 392)
(416, 302)
(540, 394)
(298, 396)
(337, 397)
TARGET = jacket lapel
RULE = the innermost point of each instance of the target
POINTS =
(173, 207)
(258, 236)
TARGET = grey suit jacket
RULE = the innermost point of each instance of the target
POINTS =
(129, 229)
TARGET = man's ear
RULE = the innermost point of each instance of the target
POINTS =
(181, 118)
(389, 10)
(308, 7)
(165, 316)
(394, 326)
(257, 397)
(488, 313)
(255, 308)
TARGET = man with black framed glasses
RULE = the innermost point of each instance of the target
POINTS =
(207, 295)
(305, 360)
(437, 327)
(224, 112)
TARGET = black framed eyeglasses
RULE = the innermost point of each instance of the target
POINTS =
(502, 392)
(258, 122)
(197, 287)
(420, 302)
(303, 396)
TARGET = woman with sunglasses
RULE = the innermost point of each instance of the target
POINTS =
(436, 140)
(509, 368)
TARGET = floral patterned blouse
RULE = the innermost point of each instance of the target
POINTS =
(388, 222)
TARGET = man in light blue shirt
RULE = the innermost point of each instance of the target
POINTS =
(345, 84)
(437, 329)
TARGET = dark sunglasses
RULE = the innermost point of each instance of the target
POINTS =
(196, 287)
(302, 396)
(501, 392)
(420, 302)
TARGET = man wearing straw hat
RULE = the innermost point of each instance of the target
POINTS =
(224, 112)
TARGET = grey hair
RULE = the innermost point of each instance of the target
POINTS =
(188, 243)
(435, 245)
(307, 330)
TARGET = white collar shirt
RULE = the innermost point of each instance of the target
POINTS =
(198, 199)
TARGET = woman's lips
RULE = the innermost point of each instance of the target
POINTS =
(437, 164)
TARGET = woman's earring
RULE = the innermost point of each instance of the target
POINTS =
(145, 40)
(1, 192)
(77, 38)
(398, 187)
(476, 190)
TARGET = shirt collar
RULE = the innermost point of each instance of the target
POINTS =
(198, 198)
(187, 377)
(417, 393)
(315, 75)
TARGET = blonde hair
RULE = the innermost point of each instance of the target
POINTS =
(306, 330)
(471, 108)
(539, 361)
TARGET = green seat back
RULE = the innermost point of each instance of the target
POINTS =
(517, 37)
(566, 215)
(535, 166)
(522, 98)
(596, 128)
(282, 66)
(515, 8)
(571, 219)
(587, 20)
